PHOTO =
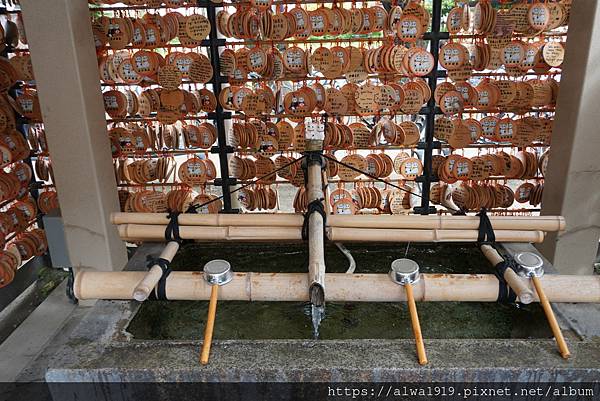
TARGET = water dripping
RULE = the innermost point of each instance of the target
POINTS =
(317, 313)
(317, 303)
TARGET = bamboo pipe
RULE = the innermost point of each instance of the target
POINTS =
(408, 235)
(316, 242)
(141, 232)
(560, 340)
(210, 324)
(229, 233)
(513, 280)
(416, 326)
(442, 222)
(340, 287)
(146, 285)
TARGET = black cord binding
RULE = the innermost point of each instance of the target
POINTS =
(172, 230)
(486, 231)
(315, 206)
(70, 287)
(506, 295)
(161, 287)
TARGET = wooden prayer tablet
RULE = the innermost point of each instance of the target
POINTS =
(145, 62)
(344, 206)
(339, 194)
(197, 27)
(200, 70)
(413, 101)
(115, 103)
(538, 16)
(294, 59)
(461, 136)
(452, 102)
(513, 54)
(454, 20)
(553, 53)
(192, 172)
(169, 77)
(410, 168)
(420, 62)
(356, 161)
(409, 28)
(444, 128)
(453, 56)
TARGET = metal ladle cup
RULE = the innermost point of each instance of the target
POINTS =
(404, 271)
(218, 272)
(531, 265)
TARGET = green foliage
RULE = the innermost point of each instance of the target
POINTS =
(446, 7)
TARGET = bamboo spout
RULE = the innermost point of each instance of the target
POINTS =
(316, 226)
(316, 245)
(148, 283)
(513, 280)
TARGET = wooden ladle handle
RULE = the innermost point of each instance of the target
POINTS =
(560, 340)
(210, 325)
(416, 326)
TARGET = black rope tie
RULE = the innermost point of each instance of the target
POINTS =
(506, 295)
(172, 230)
(161, 286)
(316, 206)
(310, 158)
(486, 231)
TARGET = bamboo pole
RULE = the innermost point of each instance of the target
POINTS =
(408, 235)
(146, 285)
(229, 233)
(340, 287)
(560, 340)
(519, 286)
(316, 241)
(139, 232)
(416, 326)
(441, 222)
(210, 325)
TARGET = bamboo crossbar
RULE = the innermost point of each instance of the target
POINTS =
(140, 232)
(441, 222)
(340, 287)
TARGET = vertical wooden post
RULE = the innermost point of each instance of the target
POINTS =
(573, 176)
(66, 71)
